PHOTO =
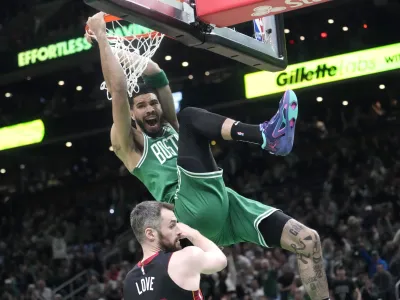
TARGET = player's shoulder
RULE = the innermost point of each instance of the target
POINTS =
(133, 273)
(128, 152)
(114, 133)
(187, 254)
(130, 278)
(129, 284)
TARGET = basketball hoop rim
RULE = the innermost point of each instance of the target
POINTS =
(110, 18)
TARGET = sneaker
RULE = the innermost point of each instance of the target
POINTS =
(278, 133)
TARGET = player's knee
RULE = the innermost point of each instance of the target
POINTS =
(309, 242)
(188, 114)
(300, 239)
(317, 239)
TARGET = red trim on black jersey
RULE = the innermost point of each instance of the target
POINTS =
(147, 260)
(197, 295)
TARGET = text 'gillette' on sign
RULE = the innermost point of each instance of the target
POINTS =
(72, 46)
(324, 70)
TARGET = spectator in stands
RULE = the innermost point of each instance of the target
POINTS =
(269, 278)
(24, 278)
(43, 292)
(394, 266)
(286, 282)
(383, 280)
(342, 287)
(372, 260)
(112, 274)
(298, 293)
(10, 289)
(207, 286)
(59, 247)
(57, 297)
(256, 291)
(377, 109)
(31, 293)
(113, 290)
(95, 289)
(369, 291)
(132, 249)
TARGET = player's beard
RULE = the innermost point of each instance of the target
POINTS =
(142, 126)
(167, 245)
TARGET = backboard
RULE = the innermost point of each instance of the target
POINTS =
(177, 19)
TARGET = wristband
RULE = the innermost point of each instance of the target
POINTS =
(156, 81)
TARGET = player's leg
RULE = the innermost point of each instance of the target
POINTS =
(194, 152)
(266, 226)
(201, 200)
(295, 237)
(275, 135)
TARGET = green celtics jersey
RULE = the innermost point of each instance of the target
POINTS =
(157, 168)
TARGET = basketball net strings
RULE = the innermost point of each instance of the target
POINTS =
(133, 53)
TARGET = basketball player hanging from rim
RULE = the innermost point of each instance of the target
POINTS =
(174, 161)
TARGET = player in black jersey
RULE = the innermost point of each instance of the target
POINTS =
(168, 272)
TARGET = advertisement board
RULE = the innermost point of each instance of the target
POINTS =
(323, 70)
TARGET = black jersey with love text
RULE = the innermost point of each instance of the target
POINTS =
(149, 280)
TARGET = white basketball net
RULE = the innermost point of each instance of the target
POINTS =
(134, 53)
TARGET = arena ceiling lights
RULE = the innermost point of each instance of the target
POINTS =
(324, 70)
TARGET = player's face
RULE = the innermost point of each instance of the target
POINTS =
(169, 233)
(147, 113)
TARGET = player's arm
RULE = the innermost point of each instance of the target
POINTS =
(204, 262)
(156, 77)
(167, 104)
(116, 84)
(204, 256)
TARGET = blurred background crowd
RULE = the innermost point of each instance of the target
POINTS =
(64, 204)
